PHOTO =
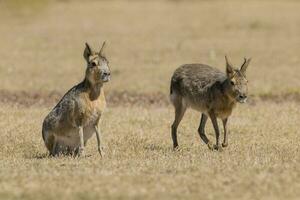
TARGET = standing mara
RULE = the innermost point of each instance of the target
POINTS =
(70, 124)
(211, 92)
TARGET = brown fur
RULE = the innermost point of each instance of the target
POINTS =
(211, 92)
(70, 124)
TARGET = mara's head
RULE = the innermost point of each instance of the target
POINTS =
(237, 82)
(97, 70)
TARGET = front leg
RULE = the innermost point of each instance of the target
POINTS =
(225, 141)
(81, 147)
(217, 132)
(98, 139)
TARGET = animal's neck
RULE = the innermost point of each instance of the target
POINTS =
(226, 93)
(93, 89)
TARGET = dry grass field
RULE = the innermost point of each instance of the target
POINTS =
(41, 58)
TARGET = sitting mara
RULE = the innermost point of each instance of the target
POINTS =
(70, 124)
(209, 91)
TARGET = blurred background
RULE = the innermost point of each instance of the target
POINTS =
(42, 42)
(41, 57)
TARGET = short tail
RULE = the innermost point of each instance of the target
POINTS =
(43, 135)
(173, 91)
(175, 85)
(43, 131)
(171, 88)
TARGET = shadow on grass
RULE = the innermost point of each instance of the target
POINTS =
(40, 156)
(158, 148)
(37, 156)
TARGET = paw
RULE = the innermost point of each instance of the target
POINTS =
(81, 152)
(177, 148)
(101, 152)
(212, 146)
(224, 144)
(218, 148)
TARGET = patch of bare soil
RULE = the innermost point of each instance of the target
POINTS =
(27, 99)
(125, 98)
(281, 97)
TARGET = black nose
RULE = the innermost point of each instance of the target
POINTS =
(243, 96)
(106, 73)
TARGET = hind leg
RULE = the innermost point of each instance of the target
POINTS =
(180, 109)
(201, 129)
(53, 151)
(50, 142)
(58, 148)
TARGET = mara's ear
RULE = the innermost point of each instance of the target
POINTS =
(87, 52)
(229, 68)
(102, 48)
(245, 65)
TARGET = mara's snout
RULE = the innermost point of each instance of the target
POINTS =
(105, 76)
(242, 98)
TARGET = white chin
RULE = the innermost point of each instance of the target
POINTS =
(242, 100)
(105, 80)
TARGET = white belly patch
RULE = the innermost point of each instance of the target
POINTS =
(71, 138)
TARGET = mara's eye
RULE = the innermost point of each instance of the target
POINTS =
(93, 64)
(231, 82)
